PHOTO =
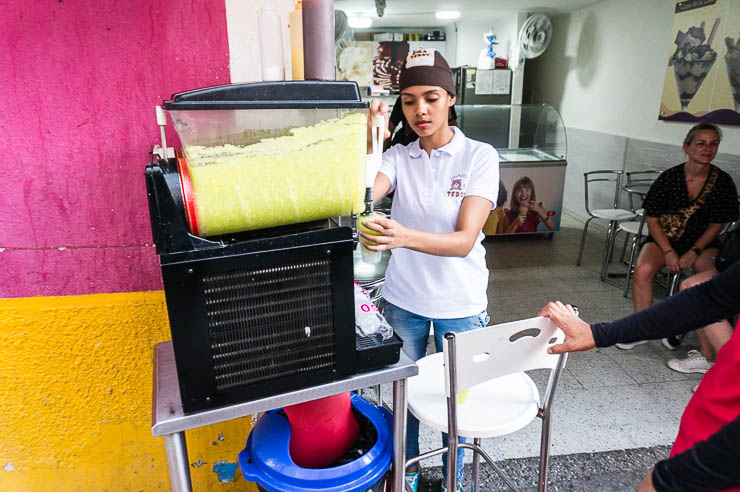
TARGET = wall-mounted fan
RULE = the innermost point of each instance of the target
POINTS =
(534, 37)
(342, 32)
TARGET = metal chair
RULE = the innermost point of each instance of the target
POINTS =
(614, 215)
(486, 392)
(638, 183)
(638, 231)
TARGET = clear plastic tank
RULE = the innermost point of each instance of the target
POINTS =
(269, 154)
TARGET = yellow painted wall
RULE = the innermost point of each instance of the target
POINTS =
(75, 398)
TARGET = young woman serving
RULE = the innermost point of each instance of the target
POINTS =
(444, 187)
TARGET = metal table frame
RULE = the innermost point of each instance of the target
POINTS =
(169, 421)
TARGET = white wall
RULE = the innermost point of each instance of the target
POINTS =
(473, 24)
(605, 67)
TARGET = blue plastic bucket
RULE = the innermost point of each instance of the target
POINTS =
(266, 458)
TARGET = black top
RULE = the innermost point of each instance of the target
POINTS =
(710, 464)
(669, 194)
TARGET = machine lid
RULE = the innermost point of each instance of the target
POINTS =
(301, 94)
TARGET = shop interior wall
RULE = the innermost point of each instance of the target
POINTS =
(474, 24)
(604, 71)
(80, 299)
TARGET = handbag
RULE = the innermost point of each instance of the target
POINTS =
(674, 223)
(729, 250)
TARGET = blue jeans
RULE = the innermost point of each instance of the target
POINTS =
(414, 330)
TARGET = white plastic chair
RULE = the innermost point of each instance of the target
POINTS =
(487, 364)
(614, 215)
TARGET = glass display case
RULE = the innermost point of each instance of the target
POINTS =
(532, 147)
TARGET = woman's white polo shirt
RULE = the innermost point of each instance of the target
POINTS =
(429, 190)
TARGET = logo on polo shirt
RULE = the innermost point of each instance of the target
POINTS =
(457, 186)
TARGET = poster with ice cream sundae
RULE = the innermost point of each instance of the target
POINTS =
(702, 81)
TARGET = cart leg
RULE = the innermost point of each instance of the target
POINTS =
(399, 435)
(177, 462)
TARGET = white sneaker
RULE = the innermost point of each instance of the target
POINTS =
(694, 362)
(629, 346)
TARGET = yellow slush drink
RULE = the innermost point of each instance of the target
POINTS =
(312, 173)
(367, 255)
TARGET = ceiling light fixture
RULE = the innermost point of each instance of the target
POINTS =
(359, 22)
(447, 14)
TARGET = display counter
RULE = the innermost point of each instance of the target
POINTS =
(531, 143)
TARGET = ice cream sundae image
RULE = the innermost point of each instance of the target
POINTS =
(732, 60)
(692, 60)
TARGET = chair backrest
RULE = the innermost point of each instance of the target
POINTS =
(640, 178)
(647, 176)
(497, 350)
(604, 176)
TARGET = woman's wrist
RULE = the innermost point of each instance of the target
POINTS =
(668, 251)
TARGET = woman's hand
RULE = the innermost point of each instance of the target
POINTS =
(647, 483)
(538, 209)
(672, 262)
(393, 234)
(377, 107)
(687, 260)
(578, 334)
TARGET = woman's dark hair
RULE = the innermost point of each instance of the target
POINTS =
(502, 194)
(523, 182)
(699, 127)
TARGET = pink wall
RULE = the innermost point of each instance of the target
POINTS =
(78, 84)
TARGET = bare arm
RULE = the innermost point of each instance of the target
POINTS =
(540, 210)
(710, 234)
(656, 232)
(473, 214)
(512, 223)
(381, 187)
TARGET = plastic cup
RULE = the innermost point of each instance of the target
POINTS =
(367, 255)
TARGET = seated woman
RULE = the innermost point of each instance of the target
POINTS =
(685, 208)
(525, 213)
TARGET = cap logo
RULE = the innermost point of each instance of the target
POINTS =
(420, 58)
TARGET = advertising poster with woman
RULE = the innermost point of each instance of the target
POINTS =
(530, 200)
(702, 81)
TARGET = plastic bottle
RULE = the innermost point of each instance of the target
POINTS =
(271, 43)
(319, 57)
(295, 23)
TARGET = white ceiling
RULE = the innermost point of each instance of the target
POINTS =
(420, 13)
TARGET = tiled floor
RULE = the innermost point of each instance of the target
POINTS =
(608, 399)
